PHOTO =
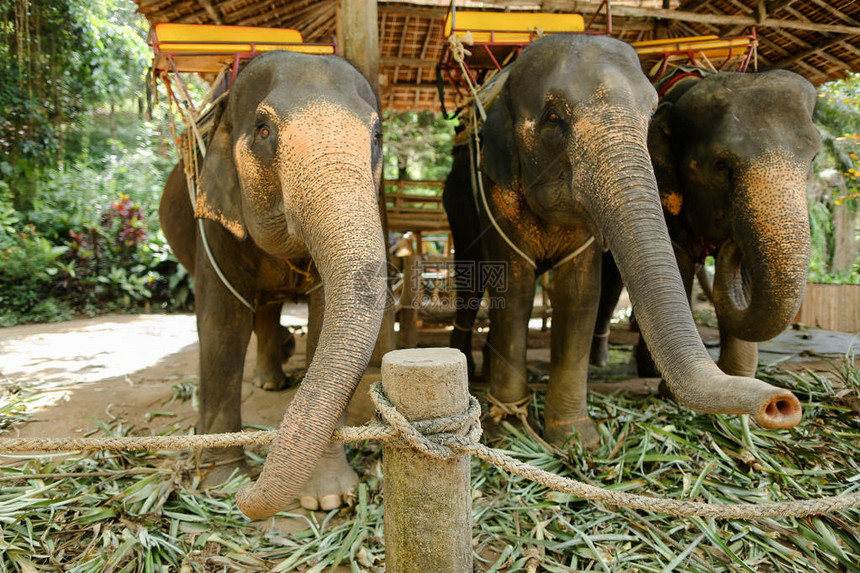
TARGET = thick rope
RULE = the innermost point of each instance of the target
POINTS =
(442, 438)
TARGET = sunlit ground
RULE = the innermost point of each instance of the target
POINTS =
(51, 357)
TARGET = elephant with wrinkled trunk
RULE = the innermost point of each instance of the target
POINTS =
(563, 156)
(731, 153)
(290, 177)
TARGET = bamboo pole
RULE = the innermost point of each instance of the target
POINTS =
(427, 503)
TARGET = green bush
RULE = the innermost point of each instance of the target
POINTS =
(26, 284)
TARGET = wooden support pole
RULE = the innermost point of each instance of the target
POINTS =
(409, 299)
(358, 37)
(427, 503)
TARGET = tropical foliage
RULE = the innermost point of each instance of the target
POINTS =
(835, 187)
(82, 165)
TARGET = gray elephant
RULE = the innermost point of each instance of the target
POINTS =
(731, 153)
(290, 177)
(563, 157)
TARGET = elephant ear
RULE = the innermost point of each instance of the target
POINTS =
(499, 157)
(663, 160)
(218, 196)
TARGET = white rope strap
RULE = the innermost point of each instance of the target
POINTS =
(478, 180)
(581, 249)
(192, 174)
(459, 53)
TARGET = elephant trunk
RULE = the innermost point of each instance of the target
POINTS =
(338, 218)
(626, 207)
(760, 274)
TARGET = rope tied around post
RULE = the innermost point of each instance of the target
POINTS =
(434, 434)
(444, 438)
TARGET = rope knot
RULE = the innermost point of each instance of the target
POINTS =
(440, 438)
(499, 409)
(458, 48)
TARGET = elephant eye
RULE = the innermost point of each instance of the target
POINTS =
(722, 165)
(263, 131)
(553, 117)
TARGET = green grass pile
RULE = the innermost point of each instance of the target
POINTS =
(142, 512)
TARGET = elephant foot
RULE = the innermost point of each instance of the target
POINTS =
(664, 392)
(599, 350)
(331, 483)
(215, 467)
(558, 432)
(271, 381)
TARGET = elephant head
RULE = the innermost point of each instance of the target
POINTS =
(569, 134)
(732, 153)
(299, 137)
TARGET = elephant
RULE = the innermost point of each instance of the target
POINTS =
(731, 153)
(563, 157)
(287, 193)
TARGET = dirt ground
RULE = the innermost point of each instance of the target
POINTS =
(135, 369)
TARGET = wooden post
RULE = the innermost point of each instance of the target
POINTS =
(409, 299)
(357, 31)
(427, 503)
(358, 38)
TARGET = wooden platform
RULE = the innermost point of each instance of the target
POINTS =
(409, 210)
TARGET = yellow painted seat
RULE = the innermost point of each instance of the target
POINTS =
(508, 27)
(207, 49)
(700, 47)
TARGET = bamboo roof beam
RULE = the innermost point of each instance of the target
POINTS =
(212, 11)
(718, 19)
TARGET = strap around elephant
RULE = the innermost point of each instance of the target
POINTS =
(194, 140)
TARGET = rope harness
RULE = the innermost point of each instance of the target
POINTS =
(444, 438)
(191, 143)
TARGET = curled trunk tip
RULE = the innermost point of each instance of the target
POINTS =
(769, 406)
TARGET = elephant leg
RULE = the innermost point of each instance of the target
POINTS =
(509, 323)
(273, 348)
(610, 290)
(331, 482)
(706, 281)
(737, 357)
(577, 290)
(316, 307)
(224, 328)
(469, 291)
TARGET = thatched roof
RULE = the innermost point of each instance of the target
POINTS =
(819, 39)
